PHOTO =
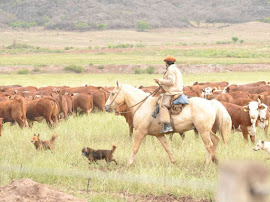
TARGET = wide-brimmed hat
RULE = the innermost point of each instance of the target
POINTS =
(169, 59)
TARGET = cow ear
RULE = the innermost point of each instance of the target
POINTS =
(259, 99)
(245, 108)
(203, 90)
(262, 142)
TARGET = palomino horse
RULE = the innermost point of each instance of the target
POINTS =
(200, 114)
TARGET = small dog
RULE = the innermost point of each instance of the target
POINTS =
(262, 145)
(94, 155)
(46, 145)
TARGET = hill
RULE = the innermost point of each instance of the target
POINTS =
(120, 14)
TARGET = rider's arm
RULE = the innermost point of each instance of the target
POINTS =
(169, 81)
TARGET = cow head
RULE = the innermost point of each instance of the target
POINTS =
(259, 145)
(253, 109)
(263, 110)
(207, 92)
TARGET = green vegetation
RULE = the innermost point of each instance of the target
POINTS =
(81, 25)
(101, 130)
(234, 39)
(22, 24)
(23, 71)
(148, 70)
(120, 46)
(36, 69)
(143, 26)
(101, 26)
(267, 19)
(74, 68)
(101, 67)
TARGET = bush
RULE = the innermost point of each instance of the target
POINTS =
(223, 42)
(68, 48)
(143, 26)
(241, 41)
(267, 19)
(150, 70)
(23, 71)
(120, 46)
(81, 25)
(138, 70)
(101, 67)
(74, 68)
(36, 69)
(235, 39)
(102, 26)
(22, 24)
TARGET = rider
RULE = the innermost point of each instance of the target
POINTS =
(172, 84)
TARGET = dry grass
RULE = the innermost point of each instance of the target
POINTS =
(252, 32)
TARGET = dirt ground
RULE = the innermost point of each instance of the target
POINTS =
(27, 190)
(129, 69)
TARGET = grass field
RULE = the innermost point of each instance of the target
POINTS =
(206, 45)
(152, 172)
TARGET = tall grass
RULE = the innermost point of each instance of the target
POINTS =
(101, 130)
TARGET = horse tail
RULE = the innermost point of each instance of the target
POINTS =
(223, 120)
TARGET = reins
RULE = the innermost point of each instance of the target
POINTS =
(141, 102)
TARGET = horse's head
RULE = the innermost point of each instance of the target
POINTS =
(116, 98)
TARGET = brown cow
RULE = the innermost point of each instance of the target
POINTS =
(82, 102)
(47, 108)
(1, 124)
(14, 111)
(243, 118)
(241, 101)
(239, 94)
(124, 111)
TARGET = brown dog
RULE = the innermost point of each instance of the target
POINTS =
(39, 144)
(94, 155)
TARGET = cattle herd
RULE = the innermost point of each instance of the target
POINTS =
(247, 104)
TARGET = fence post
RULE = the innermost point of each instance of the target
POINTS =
(243, 181)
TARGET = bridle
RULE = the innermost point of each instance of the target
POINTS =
(141, 102)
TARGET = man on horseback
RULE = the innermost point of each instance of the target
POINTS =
(172, 84)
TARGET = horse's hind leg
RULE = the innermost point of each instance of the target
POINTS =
(166, 146)
(137, 142)
(215, 141)
(208, 146)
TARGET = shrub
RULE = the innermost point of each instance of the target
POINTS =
(74, 68)
(81, 25)
(36, 69)
(68, 48)
(267, 19)
(150, 70)
(91, 64)
(241, 41)
(101, 67)
(120, 46)
(143, 26)
(235, 39)
(223, 42)
(22, 24)
(138, 70)
(102, 26)
(23, 71)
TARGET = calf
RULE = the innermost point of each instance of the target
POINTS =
(14, 111)
(39, 109)
(82, 102)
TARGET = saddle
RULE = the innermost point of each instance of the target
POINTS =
(177, 103)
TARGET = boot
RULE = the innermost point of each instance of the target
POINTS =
(167, 127)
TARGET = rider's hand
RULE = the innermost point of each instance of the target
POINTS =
(156, 80)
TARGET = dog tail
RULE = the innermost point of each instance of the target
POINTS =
(54, 137)
(113, 148)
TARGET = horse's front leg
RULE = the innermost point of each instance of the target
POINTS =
(166, 146)
(138, 137)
